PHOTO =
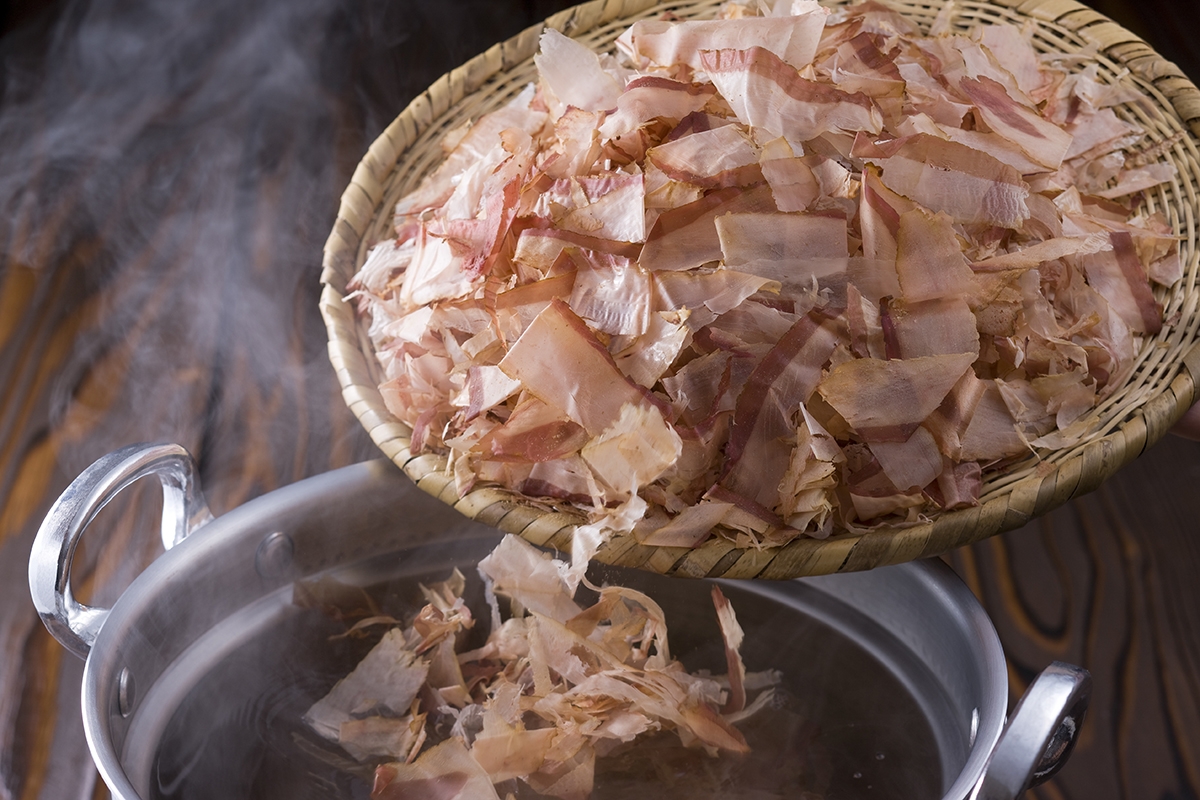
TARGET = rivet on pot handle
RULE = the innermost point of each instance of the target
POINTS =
(184, 509)
(1041, 734)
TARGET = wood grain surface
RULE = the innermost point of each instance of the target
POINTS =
(168, 173)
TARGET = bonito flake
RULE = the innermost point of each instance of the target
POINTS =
(779, 273)
(554, 687)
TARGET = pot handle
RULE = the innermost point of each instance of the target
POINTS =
(1041, 734)
(184, 510)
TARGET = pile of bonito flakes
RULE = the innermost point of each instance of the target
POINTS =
(788, 271)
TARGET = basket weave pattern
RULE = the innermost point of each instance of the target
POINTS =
(1162, 387)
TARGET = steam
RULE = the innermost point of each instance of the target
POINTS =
(186, 188)
(178, 164)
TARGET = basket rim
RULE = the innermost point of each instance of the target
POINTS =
(1078, 470)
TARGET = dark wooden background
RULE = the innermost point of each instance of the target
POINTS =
(169, 170)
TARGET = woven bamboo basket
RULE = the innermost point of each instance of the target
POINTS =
(1162, 387)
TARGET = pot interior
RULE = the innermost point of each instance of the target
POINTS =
(204, 668)
(225, 720)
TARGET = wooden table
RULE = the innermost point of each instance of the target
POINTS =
(167, 180)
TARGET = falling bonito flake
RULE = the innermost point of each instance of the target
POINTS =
(554, 687)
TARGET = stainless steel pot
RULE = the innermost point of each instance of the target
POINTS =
(166, 665)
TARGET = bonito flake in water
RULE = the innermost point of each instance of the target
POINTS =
(554, 688)
(774, 274)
